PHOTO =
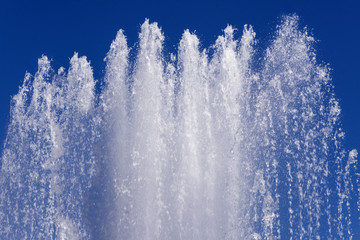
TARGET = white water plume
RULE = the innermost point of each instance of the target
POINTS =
(203, 146)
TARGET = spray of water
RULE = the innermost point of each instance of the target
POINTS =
(203, 146)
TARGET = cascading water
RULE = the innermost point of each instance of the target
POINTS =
(203, 146)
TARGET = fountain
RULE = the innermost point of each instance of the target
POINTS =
(205, 145)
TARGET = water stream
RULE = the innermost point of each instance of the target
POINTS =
(204, 145)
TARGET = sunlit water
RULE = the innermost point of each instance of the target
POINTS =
(210, 144)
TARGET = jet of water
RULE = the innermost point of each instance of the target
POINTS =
(211, 144)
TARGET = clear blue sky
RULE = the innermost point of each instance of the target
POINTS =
(57, 29)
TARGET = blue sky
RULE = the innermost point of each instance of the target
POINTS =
(59, 28)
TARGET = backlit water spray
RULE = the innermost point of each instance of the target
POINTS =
(202, 144)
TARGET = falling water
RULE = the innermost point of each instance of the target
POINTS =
(210, 144)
